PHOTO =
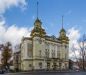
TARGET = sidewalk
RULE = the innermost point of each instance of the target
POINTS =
(51, 71)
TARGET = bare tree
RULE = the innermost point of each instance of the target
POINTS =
(81, 58)
(82, 46)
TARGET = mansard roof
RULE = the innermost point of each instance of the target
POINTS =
(52, 38)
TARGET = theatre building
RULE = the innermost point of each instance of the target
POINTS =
(43, 52)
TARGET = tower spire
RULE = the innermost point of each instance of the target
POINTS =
(62, 21)
(37, 9)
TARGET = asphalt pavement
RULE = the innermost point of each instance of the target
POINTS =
(46, 73)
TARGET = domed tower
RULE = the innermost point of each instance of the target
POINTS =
(63, 38)
(64, 48)
(38, 30)
(38, 42)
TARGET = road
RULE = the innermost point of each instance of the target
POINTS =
(47, 73)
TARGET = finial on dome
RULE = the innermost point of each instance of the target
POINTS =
(37, 9)
(62, 21)
(62, 29)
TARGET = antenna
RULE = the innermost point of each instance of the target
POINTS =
(37, 9)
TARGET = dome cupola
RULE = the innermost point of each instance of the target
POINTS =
(63, 37)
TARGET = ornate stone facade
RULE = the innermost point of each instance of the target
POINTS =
(43, 52)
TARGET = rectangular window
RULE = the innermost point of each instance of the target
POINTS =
(29, 50)
(53, 53)
(40, 65)
(58, 54)
(47, 53)
(40, 53)
(30, 65)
